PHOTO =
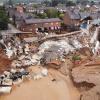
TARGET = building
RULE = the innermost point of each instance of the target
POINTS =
(20, 9)
(31, 25)
(71, 17)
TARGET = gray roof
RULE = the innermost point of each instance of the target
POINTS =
(84, 14)
(35, 21)
(98, 14)
(74, 14)
(93, 15)
(18, 15)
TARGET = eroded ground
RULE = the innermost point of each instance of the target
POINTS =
(45, 89)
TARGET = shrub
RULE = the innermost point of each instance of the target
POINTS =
(76, 57)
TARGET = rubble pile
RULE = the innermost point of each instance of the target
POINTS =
(11, 77)
(25, 61)
(89, 72)
(65, 44)
(38, 73)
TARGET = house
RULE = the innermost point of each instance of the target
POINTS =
(20, 9)
(31, 25)
(74, 15)
(84, 14)
(14, 14)
(17, 15)
(94, 8)
(71, 17)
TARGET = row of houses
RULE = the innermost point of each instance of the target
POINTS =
(72, 16)
(27, 23)
(32, 25)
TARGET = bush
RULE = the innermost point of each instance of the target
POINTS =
(76, 57)
(3, 19)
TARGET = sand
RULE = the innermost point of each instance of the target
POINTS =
(45, 89)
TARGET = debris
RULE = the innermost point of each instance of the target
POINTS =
(5, 89)
(38, 76)
(44, 72)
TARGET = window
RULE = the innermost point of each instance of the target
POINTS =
(57, 23)
(30, 29)
(51, 23)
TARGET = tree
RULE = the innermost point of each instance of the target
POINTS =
(92, 3)
(3, 19)
(51, 13)
(46, 2)
(42, 15)
(54, 2)
(10, 2)
(83, 2)
(70, 3)
(61, 16)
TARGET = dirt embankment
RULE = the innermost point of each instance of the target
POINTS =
(4, 63)
(88, 73)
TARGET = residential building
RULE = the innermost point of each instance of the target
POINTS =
(71, 17)
(31, 25)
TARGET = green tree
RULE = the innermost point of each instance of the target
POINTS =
(76, 57)
(46, 2)
(52, 13)
(61, 16)
(83, 2)
(54, 2)
(3, 19)
(70, 3)
(92, 3)
(43, 15)
(35, 6)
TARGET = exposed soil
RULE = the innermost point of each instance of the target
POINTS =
(45, 89)
(4, 63)
(87, 78)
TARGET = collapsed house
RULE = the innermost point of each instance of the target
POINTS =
(92, 30)
(54, 55)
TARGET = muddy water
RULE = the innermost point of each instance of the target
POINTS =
(45, 89)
